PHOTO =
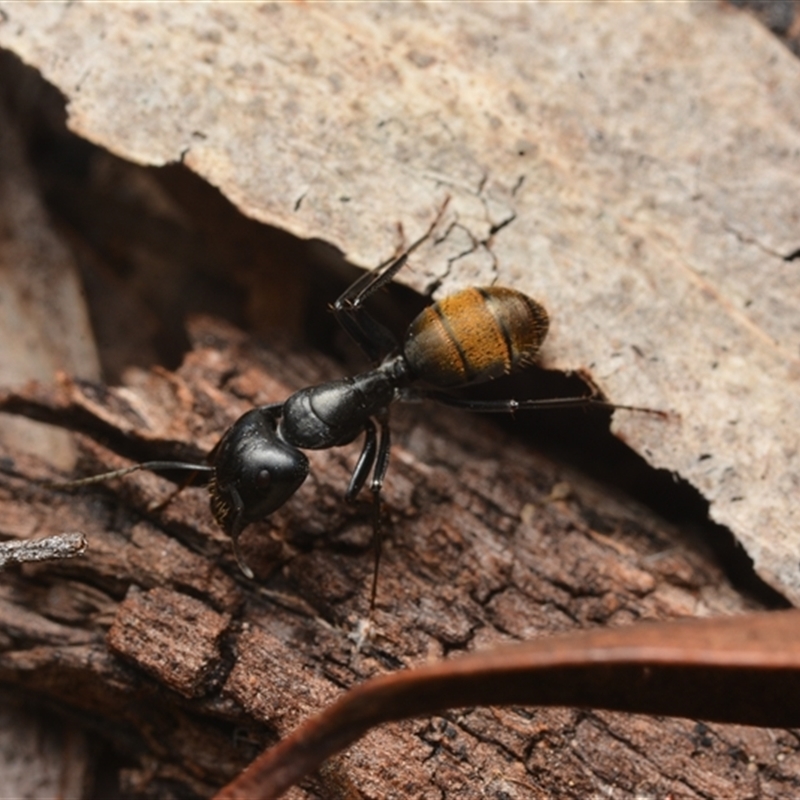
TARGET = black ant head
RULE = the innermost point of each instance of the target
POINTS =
(255, 473)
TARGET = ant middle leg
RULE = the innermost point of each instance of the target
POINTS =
(374, 456)
(364, 463)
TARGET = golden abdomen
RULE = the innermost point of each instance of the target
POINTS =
(474, 335)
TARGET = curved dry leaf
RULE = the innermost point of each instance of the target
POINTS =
(740, 669)
(634, 166)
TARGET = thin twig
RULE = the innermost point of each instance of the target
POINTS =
(63, 545)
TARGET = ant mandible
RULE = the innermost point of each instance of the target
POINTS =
(471, 336)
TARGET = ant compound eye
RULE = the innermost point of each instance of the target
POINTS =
(263, 479)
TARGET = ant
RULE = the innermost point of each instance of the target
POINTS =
(471, 336)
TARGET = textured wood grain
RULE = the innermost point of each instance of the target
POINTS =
(481, 551)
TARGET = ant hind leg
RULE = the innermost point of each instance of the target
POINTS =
(510, 406)
(371, 336)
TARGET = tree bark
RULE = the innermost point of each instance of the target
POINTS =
(161, 645)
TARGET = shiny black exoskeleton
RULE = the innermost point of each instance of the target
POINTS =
(474, 335)
(258, 464)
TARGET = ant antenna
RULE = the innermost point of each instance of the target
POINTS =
(151, 466)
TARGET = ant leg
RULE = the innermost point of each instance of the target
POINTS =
(365, 462)
(374, 339)
(381, 465)
(370, 282)
(370, 335)
(510, 406)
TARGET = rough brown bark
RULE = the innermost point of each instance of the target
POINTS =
(191, 669)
